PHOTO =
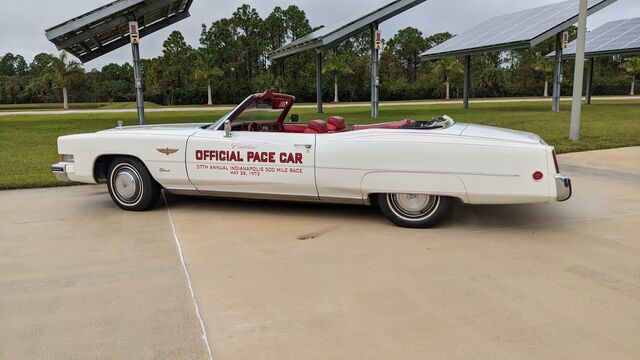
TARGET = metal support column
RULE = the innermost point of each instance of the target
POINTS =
(467, 81)
(589, 91)
(557, 74)
(319, 82)
(137, 74)
(375, 79)
(576, 103)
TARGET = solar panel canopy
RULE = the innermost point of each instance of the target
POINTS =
(105, 29)
(616, 37)
(329, 36)
(517, 30)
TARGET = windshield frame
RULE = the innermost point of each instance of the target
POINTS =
(233, 113)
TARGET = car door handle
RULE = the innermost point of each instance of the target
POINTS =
(306, 146)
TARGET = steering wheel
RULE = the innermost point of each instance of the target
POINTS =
(254, 126)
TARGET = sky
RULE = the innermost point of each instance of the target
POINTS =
(22, 22)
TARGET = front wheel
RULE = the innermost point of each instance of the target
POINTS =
(414, 210)
(131, 186)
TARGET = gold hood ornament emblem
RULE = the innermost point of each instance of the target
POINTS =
(168, 151)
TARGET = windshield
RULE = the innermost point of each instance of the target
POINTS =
(259, 111)
(218, 124)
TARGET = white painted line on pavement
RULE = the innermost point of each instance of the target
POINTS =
(203, 331)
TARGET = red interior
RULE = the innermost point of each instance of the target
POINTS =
(294, 128)
(284, 102)
(317, 127)
(336, 124)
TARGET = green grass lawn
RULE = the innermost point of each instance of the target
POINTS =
(75, 106)
(52, 106)
(28, 142)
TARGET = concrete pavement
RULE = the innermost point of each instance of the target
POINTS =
(81, 280)
(299, 281)
(322, 282)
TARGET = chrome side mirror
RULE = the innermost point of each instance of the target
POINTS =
(227, 128)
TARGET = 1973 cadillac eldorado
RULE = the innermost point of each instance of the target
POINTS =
(412, 170)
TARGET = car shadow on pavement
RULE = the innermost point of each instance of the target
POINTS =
(461, 215)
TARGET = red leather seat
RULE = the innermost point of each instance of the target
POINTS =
(317, 127)
(335, 123)
(294, 128)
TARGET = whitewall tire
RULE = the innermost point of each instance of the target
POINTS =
(414, 210)
(131, 186)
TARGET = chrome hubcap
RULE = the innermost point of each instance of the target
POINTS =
(126, 184)
(414, 206)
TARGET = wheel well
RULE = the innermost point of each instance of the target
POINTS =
(101, 165)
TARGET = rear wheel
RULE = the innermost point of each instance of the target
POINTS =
(131, 186)
(414, 210)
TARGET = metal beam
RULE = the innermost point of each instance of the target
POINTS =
(85, 47)
(97, 30)
(143, 32)
(97, 42)
(319, 82)
(477, 51)
(557, 75)
(607, 53)
(589, 90)
(169, 10)
(329, 38)
(90, 18)
(467, 81)
(375, 78)
(295, 49)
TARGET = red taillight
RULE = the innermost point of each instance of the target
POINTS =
(555, 162)
(537, 176)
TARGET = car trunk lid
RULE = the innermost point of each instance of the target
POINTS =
(495, 133)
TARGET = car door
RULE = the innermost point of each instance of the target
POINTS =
(248, 162)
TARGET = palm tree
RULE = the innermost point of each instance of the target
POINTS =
(632, 67)
(207, 72)
(545, 66)
(336, 66)
(445, 68)
(61, 72)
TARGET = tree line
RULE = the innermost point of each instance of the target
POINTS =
(231, 61)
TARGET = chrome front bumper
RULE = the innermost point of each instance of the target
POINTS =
(563, 187)
(59, 170)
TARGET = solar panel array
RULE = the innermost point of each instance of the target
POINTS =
(616, 37)
(516, 30)
(328, 36)
(107, 28)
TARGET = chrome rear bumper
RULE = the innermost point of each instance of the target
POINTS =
(563, 187)
(59, 170)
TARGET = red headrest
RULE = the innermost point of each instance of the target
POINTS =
(335, 123)
(319, 126)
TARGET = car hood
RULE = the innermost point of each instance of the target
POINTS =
(495, 133)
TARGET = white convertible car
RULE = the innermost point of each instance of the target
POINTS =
(412, 170)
